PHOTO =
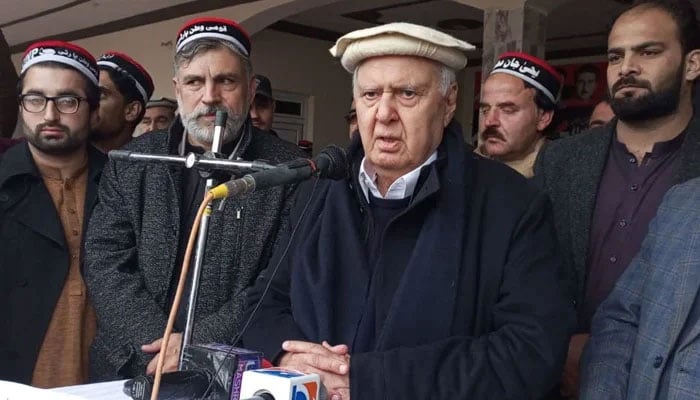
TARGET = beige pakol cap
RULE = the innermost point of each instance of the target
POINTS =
(400, 39)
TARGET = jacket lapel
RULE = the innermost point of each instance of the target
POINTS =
(436, 257)
(25, 196)
(585, 179)
(689, 166)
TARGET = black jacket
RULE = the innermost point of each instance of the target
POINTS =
(479, 312)
(34, 258)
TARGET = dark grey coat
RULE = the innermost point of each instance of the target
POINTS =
(570, 170)
(132, 244)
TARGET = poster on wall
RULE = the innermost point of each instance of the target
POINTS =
(585, 86)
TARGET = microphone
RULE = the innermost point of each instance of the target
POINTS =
(219, 124)
(331, 162)
(280, 384)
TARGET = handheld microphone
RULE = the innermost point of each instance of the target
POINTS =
(331, 163)
(280, 384)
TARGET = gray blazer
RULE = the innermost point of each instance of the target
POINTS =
(132, 242)
(645, 340)
(569, 171)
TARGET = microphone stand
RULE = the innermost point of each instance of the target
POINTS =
(201, 242)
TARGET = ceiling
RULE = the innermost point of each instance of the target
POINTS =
(577, 28)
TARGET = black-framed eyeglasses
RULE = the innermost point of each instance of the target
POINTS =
(36, 103)
(350, 116)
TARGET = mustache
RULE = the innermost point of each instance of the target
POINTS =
(630, 81)
(41, 127)
(492, 132)
(208, 110)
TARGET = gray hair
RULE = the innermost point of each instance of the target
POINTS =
(197, 47)
(447, 77)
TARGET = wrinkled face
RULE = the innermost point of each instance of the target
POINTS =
(112, 109)
(586, 83)
(157, 118)
(50, 131)
(646, 68)
(601, 115)
(510, 122)
(401, 113)
(213, 81)
(261, 112)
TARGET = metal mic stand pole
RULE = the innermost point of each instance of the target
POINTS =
(201, 241)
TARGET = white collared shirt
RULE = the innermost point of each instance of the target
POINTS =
(400, 189)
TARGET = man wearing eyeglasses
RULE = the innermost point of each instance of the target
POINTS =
(48, 186)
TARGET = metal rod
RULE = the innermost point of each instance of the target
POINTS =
(201, 243)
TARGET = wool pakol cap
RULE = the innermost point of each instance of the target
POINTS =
(162, 102)
(400, 39)
(214, 28)
(126, 65)
(532, 70)
(61, 52)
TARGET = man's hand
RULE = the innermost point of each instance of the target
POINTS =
(172, 354)
(570, 377)
(331, 363)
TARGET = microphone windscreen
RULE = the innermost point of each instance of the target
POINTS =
(332, 163)
(221, 117)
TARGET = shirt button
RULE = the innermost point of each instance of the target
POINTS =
(634, 187)
(75, 232)
(613, 259)
(71, 211)
(622, 223)
(658, 361)
(633, 160)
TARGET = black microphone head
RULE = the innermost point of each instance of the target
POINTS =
(332, 163)
(221, 117)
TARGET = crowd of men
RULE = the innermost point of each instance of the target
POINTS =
(522, 268)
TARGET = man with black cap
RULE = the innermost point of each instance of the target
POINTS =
(262, 110)
(137, 239)
(48, 187)
(125, 87)
(431, 272)
(517, 106)
(606, 185)
(159, 114)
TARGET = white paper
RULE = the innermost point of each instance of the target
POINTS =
(18, 391)
(94, 391)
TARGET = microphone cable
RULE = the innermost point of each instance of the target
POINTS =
(204, 207)
(267, 287)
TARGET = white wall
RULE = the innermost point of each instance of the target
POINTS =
(297, 64)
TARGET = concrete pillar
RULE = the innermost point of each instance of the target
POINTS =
(518, 29)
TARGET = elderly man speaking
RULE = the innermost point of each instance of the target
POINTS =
(431, 272)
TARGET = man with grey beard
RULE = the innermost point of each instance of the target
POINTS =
(607, 185)
(137, 239)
